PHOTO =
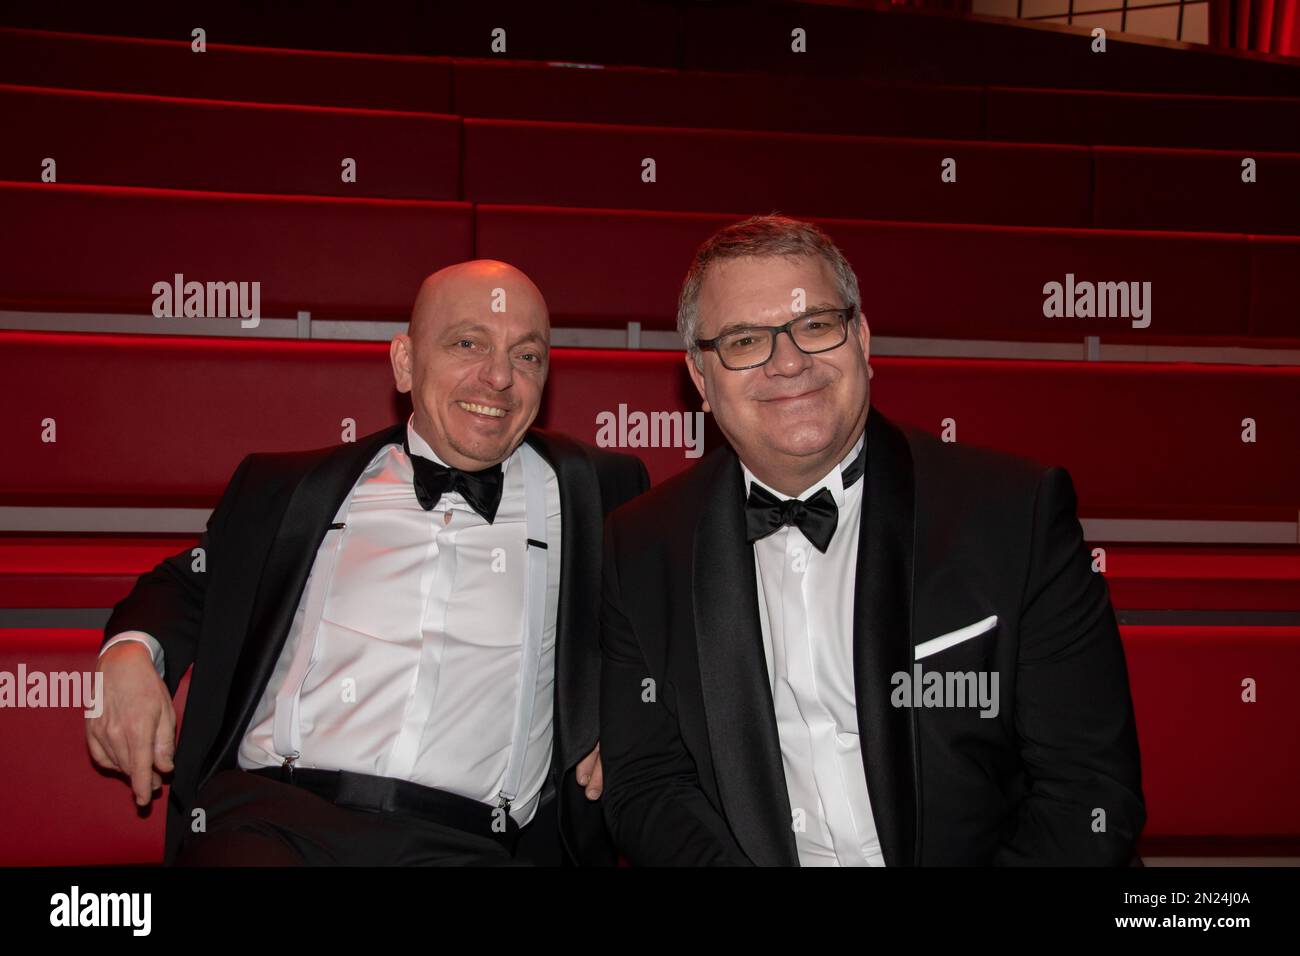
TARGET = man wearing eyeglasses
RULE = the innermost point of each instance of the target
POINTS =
(841, 641)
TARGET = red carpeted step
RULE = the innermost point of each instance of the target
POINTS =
(601, 267)
(110, 64)
(1105, 117)
(77, 571)
(1141, 440)
(1194, 189)
(1199, 741)
(1275, 268)
(749, 101)
(97, 571)
(574, 164)
(86, 248)
(122, 139)
(60, 809)
(604, 266)
(1213, 763)
(1185, 577)
(523, 89)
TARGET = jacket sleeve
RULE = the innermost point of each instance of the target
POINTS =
(654, 807)
(1073, 711)
(167, 602)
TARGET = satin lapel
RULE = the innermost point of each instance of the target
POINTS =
(882, 637)
(307, 517)
(738, 707)
(577, 692)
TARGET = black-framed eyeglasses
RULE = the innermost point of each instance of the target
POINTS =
(753, 345)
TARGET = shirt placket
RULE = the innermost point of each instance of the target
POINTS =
(827, 772)
(436, 583)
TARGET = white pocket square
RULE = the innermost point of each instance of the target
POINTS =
(945, 641)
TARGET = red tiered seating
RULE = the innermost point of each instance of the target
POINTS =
(224, 167)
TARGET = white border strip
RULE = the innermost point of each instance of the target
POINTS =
(146, 325)
(1199, 861)
(632, 335)
(106, 520)
(353, 330)
(1191, 532)
(978, 348)
(193, 520)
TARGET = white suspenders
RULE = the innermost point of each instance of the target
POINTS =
(286, 731)
(535, 609)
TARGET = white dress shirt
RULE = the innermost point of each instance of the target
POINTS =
(805, 603)
(413, 670)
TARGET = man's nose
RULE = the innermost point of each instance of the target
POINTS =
(786, 357)
(496, 371)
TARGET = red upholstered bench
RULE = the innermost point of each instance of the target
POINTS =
(604, 266)
(523, 89)
(576, 164)
(1213, 764)
(601, 267)
(82, 61)
(69, 571)
(750, 101)
(59, 808)
(359, 258)
(1107, 117)
(1142, 440)
(103, 248)
(78, 571)
(1203, 578)
(112, 139)
(1214, 768)
(1196, 189)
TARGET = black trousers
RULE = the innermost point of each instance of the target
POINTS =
(252, 820)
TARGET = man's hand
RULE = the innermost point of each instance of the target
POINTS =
(135, 733)
(591, 775)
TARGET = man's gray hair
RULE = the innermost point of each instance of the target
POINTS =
(773, 235)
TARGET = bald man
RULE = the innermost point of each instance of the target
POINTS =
(393, 640)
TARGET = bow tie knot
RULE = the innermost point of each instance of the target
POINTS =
(816, 516)
(480, 489)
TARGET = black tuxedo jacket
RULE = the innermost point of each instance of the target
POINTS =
(231, 620)
(950, 535)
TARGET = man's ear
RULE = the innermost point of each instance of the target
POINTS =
(399, 353)
(697, 377)
(864, 338)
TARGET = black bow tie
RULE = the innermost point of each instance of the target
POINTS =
(480, 489)
(816, 517)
